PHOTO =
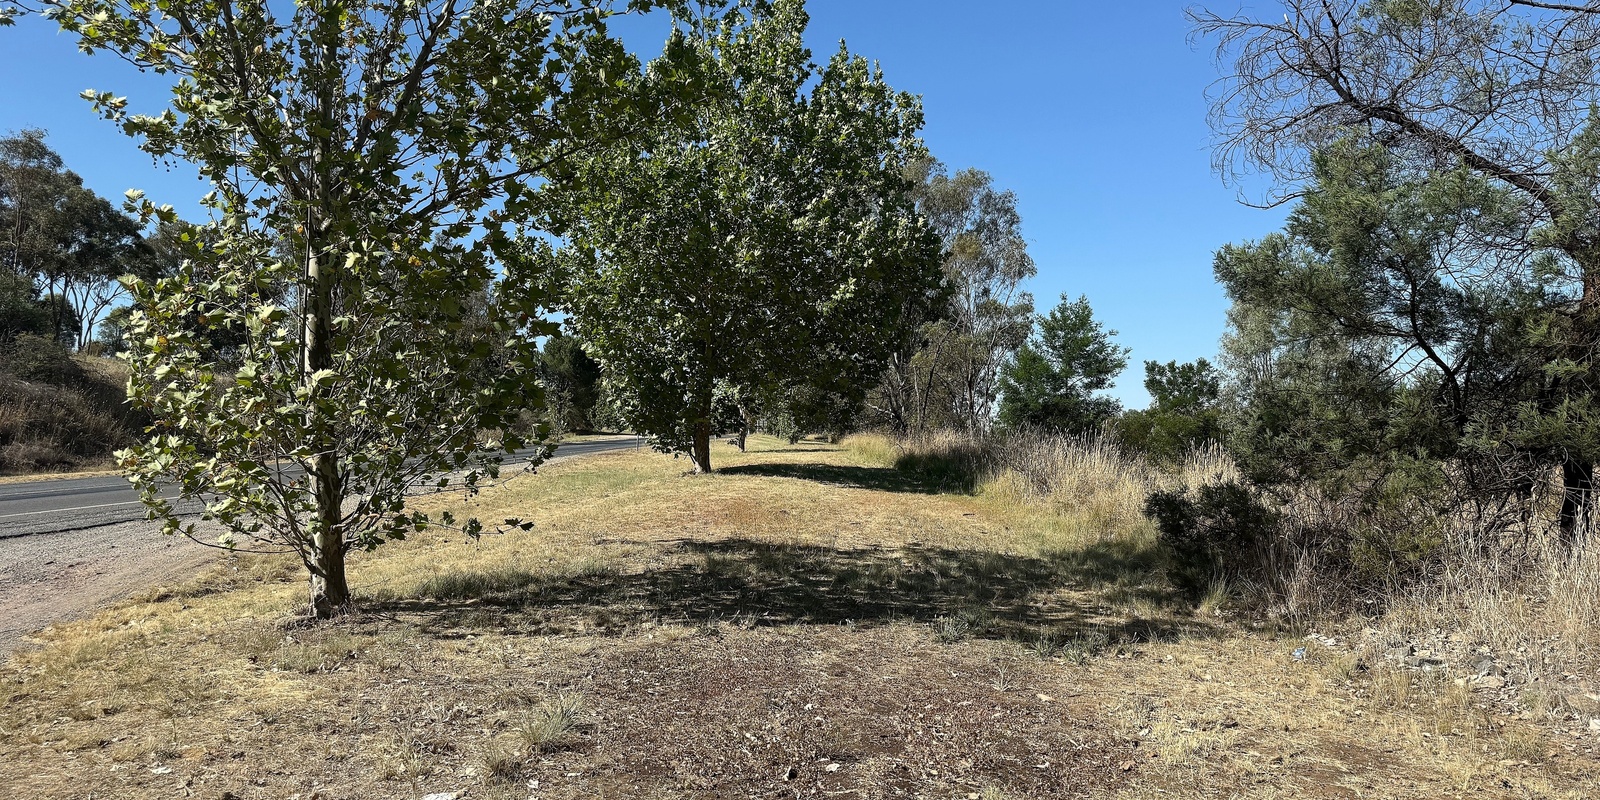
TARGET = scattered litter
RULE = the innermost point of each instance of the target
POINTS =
(1299, 654)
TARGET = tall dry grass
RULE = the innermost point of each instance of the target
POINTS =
(1538, 610)
(1090, 481)
(1537, 601)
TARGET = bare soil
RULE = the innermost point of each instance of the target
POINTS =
(49, 577)
(802, 625)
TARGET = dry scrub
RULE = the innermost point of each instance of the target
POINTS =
(71, 426)
(809, 622)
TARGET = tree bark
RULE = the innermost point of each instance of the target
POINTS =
(700, 451)
(330, 592)
(1577, 495)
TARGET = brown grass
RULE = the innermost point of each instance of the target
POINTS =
(67, 428)
(807, 623)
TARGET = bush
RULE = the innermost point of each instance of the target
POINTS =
(1217, 532)
(39, 359)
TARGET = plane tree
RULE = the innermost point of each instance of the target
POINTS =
(764, 239)
(359, 152)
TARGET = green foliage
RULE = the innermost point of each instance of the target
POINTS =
(571, 384)
(946, 372)
(1051, 382)
(20, 311)
(1443, 266)
(360, 153)
(1355, 338)
(1184, 410)
(1215, 532)
(68, 243)
(761, 236)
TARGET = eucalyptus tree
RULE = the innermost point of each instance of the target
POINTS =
(360, 156)
(1503, 89)
(946, 371)
(763, 238)
(69, 243)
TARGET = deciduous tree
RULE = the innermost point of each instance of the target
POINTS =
(763, 238)
(360, 153)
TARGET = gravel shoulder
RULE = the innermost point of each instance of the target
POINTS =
(47, 578)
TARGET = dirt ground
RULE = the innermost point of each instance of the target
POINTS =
(804, 624)
(47, 578)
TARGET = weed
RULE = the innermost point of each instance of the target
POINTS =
(1523, 744)
(501, 764)
(546, 727)
(1084, 647)
(950, 630)
(1004, 678)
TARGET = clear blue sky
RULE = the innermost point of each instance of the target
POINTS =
(1093, 113)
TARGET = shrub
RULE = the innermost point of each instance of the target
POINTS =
(1215, 532)
(39, 359)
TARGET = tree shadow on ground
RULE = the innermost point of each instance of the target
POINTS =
(883, 479)
(1065, 597)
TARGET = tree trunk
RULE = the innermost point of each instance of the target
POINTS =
(1577, 495)
(330, 593)
(700, 451)
(747, 423)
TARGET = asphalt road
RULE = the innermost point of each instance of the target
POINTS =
(69, 504)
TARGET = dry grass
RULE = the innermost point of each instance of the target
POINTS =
(65, 428)
(806, 623)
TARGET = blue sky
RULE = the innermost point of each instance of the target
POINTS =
(1093, 113)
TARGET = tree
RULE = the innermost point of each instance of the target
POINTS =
(1184, 409)
(359, 151)
(571, 383)
(69, 242)
(1051, 383)
(1379, 358)
(20, 311)
(946, 372)
(764, 238)
(1502, 91)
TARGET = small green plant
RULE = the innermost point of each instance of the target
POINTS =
(1084, 647)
